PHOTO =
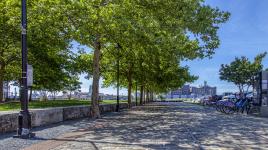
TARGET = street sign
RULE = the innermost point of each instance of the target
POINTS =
(29, 75)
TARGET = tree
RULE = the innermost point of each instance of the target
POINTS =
(161, 37)
(49, 45)
(72, 85)
(84, 64)
(140, 26)
(9, 41)
(48, 40)
(242, 72)
(88, 20)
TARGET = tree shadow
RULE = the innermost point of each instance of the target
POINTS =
(170, 126)
(183, 124)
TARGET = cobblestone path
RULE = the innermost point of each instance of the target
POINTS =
(164, 126)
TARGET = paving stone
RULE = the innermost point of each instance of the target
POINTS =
(167, 126)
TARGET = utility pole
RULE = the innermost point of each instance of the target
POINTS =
(24, 118)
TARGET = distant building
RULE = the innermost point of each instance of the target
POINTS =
(204, 90)
(83, 96)
(179, 93)
(187, 91)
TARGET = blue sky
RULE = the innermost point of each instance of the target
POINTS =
(245, 34)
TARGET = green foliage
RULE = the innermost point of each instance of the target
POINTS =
(152, 38)
(242, 72)
(48, 43)
(72, 84)
(84, 64)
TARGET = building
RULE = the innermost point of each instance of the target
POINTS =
(203, 90)
(188, 91)
(181, 92)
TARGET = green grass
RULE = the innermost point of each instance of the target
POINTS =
(52, 103)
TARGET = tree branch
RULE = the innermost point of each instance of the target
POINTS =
(11, 59)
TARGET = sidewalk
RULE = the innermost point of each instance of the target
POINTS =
(156, 126)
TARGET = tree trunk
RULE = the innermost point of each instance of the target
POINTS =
(70, 95)
(129, 91)
(240, 89)
(1, 83)
(7, 91)
(150, 96)
(136, 97)
(253, 89)
(54, 95)
(30, 96)
(147, 97)
(141, 95)
(129, 84)
(95, 111)
(144, 93)
(44, 96)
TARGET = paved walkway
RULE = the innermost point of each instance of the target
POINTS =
(162, 126)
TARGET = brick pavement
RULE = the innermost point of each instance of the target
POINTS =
(165, 126)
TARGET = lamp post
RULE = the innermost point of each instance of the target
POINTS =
(118, 65)
(136, 93)
(24, 118)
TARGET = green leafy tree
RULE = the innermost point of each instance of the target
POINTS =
(242, 72)
(72, 85)
(145, 24)
(48, 42)
(161, 37)
(83, 64)
(9, 41)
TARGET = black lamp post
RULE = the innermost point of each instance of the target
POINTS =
(24, 119)
(118, 63)
(136, 93)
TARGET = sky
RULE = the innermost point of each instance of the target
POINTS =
(245, 34)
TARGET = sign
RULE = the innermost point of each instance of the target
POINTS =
(29, 75)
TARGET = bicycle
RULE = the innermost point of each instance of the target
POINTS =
(240, 105)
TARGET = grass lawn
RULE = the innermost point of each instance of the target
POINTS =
(52, 103)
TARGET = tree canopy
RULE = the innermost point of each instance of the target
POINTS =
(242, 72)
(148, 38)
(48, 44)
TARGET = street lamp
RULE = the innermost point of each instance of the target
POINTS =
(118, 61)
(136, 93)
(24, 118)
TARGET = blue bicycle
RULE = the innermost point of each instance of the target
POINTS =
(241, 105)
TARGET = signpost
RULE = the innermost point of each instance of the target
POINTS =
(24, 119)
